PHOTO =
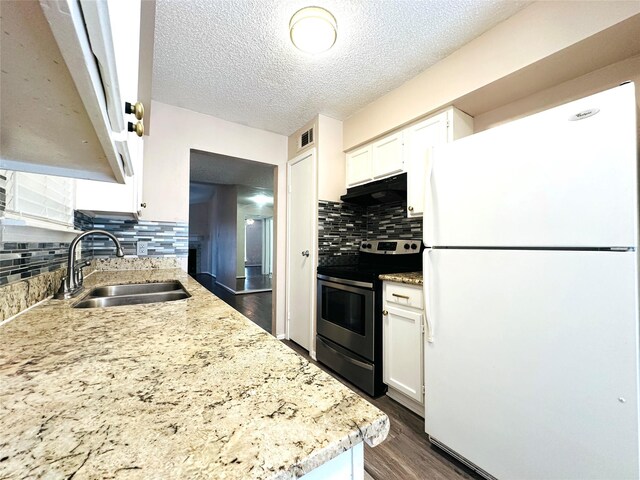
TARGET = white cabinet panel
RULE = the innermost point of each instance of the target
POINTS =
(101, 198)
(359, 166)
(402, 344)
(114, 31)
(386, 156)
(419, 140)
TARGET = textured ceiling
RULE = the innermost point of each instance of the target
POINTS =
(233, 58)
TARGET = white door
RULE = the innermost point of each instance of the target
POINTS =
(419, 139)
(402, 351)
(386, 156)
(545, 180)
(301, 255)
(533, 368)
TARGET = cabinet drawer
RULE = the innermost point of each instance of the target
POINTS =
(401, 294)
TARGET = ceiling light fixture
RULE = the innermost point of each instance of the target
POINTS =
(313, 30)
(261, 199)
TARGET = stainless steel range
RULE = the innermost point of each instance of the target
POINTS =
(349, 327)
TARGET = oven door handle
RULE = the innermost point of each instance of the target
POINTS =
(352, 286)
(352, 361)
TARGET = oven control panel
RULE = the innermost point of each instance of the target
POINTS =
(391, 247)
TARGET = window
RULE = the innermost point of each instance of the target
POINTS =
(40, 201)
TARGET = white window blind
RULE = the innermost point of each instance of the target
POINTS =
(40, 197)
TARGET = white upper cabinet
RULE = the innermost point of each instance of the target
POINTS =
(114, 32)
(68, 66)
(406, 151)
(98, 199)
(359, 166)
(386, 156)
(419, 139)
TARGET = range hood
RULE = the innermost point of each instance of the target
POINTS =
(387, 190)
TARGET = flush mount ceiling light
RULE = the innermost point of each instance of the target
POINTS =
(313, 30)
(261, 199)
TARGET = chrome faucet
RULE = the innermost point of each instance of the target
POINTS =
(72, 283)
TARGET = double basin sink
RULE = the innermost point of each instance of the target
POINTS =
(133, 294)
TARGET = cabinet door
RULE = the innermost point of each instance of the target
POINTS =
(114, 31)
(419, 139)
(402, 351)
(359, 166)
(112, 198)
(387, 156)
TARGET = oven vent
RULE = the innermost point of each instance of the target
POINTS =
(306, 138)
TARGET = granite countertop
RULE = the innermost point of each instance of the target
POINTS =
(188, 389)
(412, 278)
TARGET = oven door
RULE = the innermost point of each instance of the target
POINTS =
(345, 314)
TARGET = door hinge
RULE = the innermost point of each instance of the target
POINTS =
(448, 123)
(423, 390)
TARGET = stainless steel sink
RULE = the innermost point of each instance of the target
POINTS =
(133, 294)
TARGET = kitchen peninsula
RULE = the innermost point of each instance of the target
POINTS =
(189, 389)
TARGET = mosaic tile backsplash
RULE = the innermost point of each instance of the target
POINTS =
(20, 261)
(165, 238)
(342, 227)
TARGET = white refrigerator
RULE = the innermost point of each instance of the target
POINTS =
(531, 292)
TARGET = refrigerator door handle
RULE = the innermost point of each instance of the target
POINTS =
(427, 297)
(428, 200)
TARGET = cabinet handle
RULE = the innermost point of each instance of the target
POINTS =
(400, 296)
(385, 313)
(305, 253)
(137, 109)
(410, 209)
(138, 128)
(143, 205)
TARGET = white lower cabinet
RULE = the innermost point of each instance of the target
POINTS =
(402, 350)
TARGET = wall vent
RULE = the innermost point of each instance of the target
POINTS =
(306, 139)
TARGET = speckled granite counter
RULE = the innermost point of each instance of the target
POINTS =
(188, 389)
(412, 278)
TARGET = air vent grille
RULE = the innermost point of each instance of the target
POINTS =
(306, 138)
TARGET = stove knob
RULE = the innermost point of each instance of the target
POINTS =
(364, 245)
(406, 246)
(414, 246)
(369, 245)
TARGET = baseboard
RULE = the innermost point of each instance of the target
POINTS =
(244, 292)
(225, 287)
(410, 403)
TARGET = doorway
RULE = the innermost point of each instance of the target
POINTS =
(231, 245)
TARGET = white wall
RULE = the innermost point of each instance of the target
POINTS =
(166, 170)
(331, 160)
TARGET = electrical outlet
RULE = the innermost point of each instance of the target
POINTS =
(142, 248)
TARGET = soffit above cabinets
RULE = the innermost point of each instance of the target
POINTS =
(234, 59)
(44, 124)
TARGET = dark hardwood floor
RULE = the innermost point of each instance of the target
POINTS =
(255, 306)
(254, 280)
(406, 454)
